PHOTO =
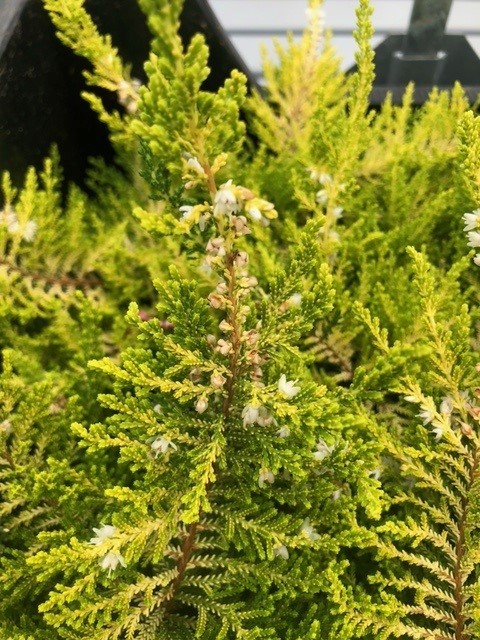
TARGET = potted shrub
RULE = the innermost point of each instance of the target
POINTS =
(278, 438)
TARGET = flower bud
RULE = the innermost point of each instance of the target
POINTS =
(217, 380)
(201, 405)
(466, 429)
(211, 339)
(216, 301)
(225, 327)
(224, 347)
(241, 259)
(215, 246)
(221, 288)
(240, 226)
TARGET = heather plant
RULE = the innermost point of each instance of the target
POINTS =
(239, 377)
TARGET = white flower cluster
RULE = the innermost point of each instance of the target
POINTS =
(110, 560)
(440, 420)
(229, 202)
(27, 230)
(472, 226)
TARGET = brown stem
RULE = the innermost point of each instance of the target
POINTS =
(236, 338)
(85, 283)
(460, 550)
(182, 563)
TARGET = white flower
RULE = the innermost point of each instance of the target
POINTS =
(195, 164)
(226, 201)
(111, 562)
(473, 239)
(186, 211)
(308, 531)
(411, 399)
(375, 473)
(337, 213)
(281, 551)
(321, 197)
(446, 407)
(157, 408)
(336, 494)
(11, 220)
(105, 532)
(472, 220)
(295, 300)
(323, 450)
(255, 214)
(29, 230)
(287, 388)
(426, 415)
(283, 432)
(264, 476)
(325, 178)
(477, 259)
(201, 405)
(250, 414)
(438, 431)
(161, 445)
(6, 426)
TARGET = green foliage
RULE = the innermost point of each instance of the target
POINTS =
(239, 380)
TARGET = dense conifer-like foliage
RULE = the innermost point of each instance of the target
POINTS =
(239, 378)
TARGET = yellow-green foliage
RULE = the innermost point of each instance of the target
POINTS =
(278, 439)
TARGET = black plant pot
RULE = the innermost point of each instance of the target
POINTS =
(41, 80)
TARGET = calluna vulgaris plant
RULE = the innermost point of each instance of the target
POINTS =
(278, 438)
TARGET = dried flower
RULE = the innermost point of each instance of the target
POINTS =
(6, 427)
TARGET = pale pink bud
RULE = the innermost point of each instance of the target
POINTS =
(217, 380)
(241, 259)
(224, 347)
(216, 301)
(201, 405)
(225, 326)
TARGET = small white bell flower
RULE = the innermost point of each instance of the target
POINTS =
(283, 432)
(281, 551)
(287, 387)
(111, 562)
(264, 476)
(250, 414)
(105, 532)
(472, 220)
(161, 445)
(323, 450)
(196, 166)
(308, 531)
